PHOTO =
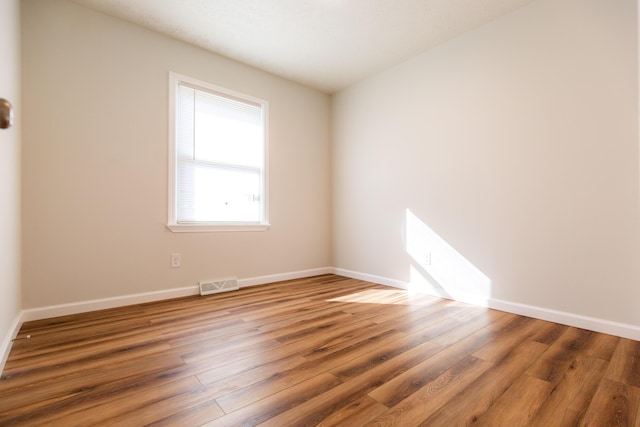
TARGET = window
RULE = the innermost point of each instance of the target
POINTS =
(217, 158)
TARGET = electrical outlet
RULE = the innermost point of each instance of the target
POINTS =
(427, 259)
(176, 261)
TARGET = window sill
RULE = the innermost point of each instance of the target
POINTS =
(213, 228)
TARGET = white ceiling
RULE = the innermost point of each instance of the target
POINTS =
(325, 44)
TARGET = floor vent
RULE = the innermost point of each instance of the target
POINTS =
(213, 287)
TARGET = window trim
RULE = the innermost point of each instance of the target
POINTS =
(204, 227)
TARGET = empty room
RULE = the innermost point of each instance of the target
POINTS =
(319, 212)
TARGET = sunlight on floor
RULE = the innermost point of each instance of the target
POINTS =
(387, 296)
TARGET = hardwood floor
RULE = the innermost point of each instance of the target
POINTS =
(319, 351)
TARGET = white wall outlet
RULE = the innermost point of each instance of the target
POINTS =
(427, 259)
(176, 261)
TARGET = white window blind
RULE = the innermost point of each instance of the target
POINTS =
(220, 153)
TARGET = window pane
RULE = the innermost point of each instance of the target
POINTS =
(184, 121)
(227, 140)
(219, 194)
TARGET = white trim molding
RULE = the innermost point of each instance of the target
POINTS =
(570, 319)
(595, 324)
(104, 303)
(372, 278)
(623, 330)
(263, 280)
(5, 349)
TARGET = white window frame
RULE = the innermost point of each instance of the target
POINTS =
(172, 223)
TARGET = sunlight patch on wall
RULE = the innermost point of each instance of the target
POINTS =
(438, 269)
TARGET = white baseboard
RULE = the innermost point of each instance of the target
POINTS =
(570, 319)
(371, 278)
(8, 340)
(263, 280)
(104, 303)
(604, 326)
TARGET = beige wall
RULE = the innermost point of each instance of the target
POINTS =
(516, 144)
(95, 163)
(10, 304)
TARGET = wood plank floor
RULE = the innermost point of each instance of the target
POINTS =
(322, 351)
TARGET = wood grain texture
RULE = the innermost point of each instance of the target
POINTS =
(325, 351)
